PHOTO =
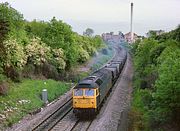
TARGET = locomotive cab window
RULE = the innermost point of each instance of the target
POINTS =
(78, 92)
(89, 92)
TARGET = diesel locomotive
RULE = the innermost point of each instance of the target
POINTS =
(89, 93)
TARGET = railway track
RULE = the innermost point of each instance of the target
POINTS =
(70, 123)
(63, 117)
(82, 125)
(49, 122)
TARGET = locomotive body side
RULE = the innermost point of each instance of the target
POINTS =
(106, 85)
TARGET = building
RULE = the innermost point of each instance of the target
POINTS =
(127, 37)
(111, 37)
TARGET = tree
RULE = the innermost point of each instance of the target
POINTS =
(11, 24)
(89, 32)
(36, 28)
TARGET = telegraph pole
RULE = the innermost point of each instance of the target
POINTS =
(131, 25)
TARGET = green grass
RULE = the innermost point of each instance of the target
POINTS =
(13, 108)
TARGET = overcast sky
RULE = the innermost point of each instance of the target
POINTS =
(104, 15)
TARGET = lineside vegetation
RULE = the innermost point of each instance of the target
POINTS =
(32, 52)
(50, 48)
(156, 104)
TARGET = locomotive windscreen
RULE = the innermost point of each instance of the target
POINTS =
(89, 92)
(78, 92)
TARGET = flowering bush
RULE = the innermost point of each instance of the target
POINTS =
(83, 55)
(58, 58)
(15, 55)
(58, 52)
(37, 52)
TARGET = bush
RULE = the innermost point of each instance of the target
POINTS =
(28, 70)
(3, 85)
(83, 55)
(13, 73)
(157, 63)
(50, 71)
(58, 59)
(15, 55)
(4, 88)
(37, 52)
(166, 97)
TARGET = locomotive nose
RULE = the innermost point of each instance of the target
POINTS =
(84, 103)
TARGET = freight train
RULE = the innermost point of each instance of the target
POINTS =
(89, 93)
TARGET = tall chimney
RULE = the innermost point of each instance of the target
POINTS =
(131, 26)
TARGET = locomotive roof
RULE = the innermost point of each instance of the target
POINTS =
(90, 81)
(86, 84)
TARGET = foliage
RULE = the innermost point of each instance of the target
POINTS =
(58, 34)
(174, 34)
(157, 69)
(88, 32)
(36, 28)
(14, 52)
(11, 30)
(145, 69)
(83, 55)
(58, 58)
(37, 52)
(166, 97)
(10, 15)
(39, 44)
(12, 22)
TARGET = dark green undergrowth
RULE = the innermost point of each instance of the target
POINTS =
(25, 97)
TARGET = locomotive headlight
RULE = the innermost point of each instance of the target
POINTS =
(75, 102)
(92, 101)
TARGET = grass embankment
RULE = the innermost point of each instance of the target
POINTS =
(25, 97)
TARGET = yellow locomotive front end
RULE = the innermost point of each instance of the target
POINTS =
(84, 98)
(84, 101)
